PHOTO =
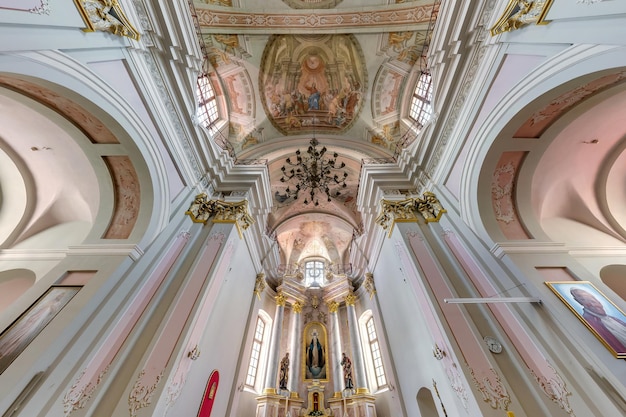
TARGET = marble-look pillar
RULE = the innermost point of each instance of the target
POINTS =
(336, 371)
(357, 351)
(273, 357)
(296, 348)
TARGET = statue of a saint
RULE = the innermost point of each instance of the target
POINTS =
(347, 371)
(284, 372)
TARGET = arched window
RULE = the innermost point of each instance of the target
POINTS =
(372, 351)
(377, 360)
(207, 104)
(313, 273)
(258, 351)
(421, 110)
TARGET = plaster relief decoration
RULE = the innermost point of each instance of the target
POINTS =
(106, 16)
(141, 394)
(79, 394)
(519, 13)
(543, 118)
(503, 195)
(333, 20)
(556, 390)
(312, 83)
(493, 391)
(30, 6)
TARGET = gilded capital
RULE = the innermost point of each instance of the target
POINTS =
(106, 16)
(201, 209)
(281, 300)
(409, 211)
(368, 284)
(350, 299)
(297, 307)
(333, 306)
(520, 13)
(259, 284)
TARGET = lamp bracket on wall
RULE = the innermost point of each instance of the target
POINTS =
(492, 300)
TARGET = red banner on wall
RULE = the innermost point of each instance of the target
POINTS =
(209, 395)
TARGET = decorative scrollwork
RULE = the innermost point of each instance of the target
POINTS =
(223, 212)
(406, 210)
(259, 284)
(519, 13)
(141, 395)
(106, 16)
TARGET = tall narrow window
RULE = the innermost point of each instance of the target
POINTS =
(207, 103)
(313, 273)
(421, 109)
(379, 371)
(255, 355)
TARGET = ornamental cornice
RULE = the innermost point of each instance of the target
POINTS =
(388, 18)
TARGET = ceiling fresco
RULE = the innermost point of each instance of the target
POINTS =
(312, 83)
(335, 70)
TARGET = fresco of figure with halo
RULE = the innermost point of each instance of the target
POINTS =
(312, 82)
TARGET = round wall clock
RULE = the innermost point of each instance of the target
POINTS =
(493, 344)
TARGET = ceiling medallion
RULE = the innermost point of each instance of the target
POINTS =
(313, 173)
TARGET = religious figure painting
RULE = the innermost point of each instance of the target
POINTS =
(23, 330)
(315, 351)
(312, 83)
(601, 316)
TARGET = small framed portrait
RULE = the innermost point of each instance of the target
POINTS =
(603, 318)
(22, 331)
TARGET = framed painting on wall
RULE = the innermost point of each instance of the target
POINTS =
(315, 348)
(22, 331)
(603, 318)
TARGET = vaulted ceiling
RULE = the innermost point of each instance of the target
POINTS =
(337, 73)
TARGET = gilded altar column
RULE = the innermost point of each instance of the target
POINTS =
(296, 348)
(357, 351)
(273, 359)
(336, 371)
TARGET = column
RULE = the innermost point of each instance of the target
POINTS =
(273, 357)
(296, 348)
(357, 352)
(336, 371)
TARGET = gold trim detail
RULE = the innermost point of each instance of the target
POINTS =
(223, 212)
(368, 284)
(281, 299)
(362, 391)
(297, 307)
(259, 284)
(106, 16)
(520, 13)
(406, 211)
(333, 306)
(350, 299)
(269, 391)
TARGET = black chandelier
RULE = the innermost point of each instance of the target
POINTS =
(313, 173)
